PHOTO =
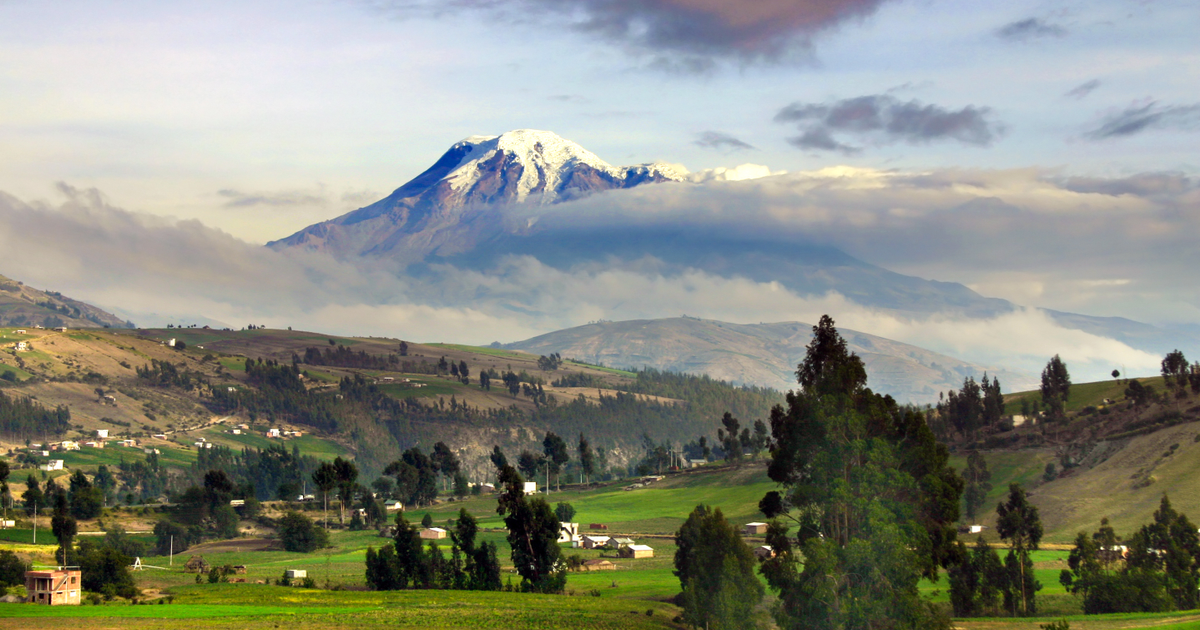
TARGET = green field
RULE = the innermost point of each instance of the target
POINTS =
(494, 352)
(1084, 394)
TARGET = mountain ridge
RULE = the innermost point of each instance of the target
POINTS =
(23, 305)
(760, 354)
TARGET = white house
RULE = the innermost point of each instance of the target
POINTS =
(568, 532)
(102, 433)
(54, 464)
(593, 542)
(530, 487)
(22, 346)
(171, 342)
(272, 433)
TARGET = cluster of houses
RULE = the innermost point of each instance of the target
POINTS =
(625, 547)
(277, 433)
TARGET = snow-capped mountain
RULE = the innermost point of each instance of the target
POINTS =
(475, 177)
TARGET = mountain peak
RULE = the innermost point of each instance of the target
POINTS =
(523, 166)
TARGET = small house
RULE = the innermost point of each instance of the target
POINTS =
(617, 543)
(110, 399)
(598, 564)
(22, 346)
(68, 445)
(236, 431)
(487, 487)
(171, 342)
(1018, 420)
(61, 329)
(94, 444)
(755, 529)
(272, 433)
(764, 552)
(975, 529)
(237, 502)
(593, 542)
(150, 451)
(433, 533)
(530, 487)
(197, 564)
(102, 433)
(696, 463)
(7, 523)
(295, 574)
(568, 532)
(55, 587)
(636, 551)
(20, 331)
(54, 464)
(160, 436)
(392, 505)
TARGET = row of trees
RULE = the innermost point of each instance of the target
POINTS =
(24, 418)
(1157, 570)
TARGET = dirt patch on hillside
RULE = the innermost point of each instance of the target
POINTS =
(236, 546)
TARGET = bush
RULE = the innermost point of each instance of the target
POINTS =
(1135, 591)
(298, 533)
(12, 570)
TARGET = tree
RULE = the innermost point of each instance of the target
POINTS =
(298, 533)
(63, 525)
(1141, 395)
(977, 581)
(1175, 371)
(564, 511)
(587, 460)
(325, 478)
(464, 372)
(462, 485)
(555, 449)
(533, 535)
(513, 382)
(529, 464)
(444, 460)
(869, 491)
(105, 570)
(1056, 387)
(345, 474)
(728, 437)
(1017, 522)
(485, 380)
(498, 458)
(1169, 544)
(762, 437)
(978, 483)
(716, 572)
(12, 569)
(32, 497)
(86, 500)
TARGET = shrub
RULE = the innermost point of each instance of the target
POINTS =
(298, 533)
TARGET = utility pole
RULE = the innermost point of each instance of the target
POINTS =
(172, 560)
(35, 522)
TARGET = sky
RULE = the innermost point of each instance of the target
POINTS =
(1060, 138)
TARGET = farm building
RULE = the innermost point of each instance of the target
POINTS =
(764, 552)
(636, 551)
(530, 487)
(56, 587)
(433, 533)
(597, 526)
(392, 505)
(593, 542)
(295, 574)
(568, 532)
(54, 464)
(617, 543)
(102, 433)
(755, 529)
(272, 433)
(197, 564)
(598, 564)
(22, 346)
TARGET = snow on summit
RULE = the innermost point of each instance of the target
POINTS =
(546, 162)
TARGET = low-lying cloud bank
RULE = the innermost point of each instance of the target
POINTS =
(1117, 239)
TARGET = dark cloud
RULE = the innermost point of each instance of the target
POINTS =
(1081, 91)
(1138, 118)
(687, 33)
(884, 119)
(1030, 28)
(722, 141)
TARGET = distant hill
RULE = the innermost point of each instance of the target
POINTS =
(21, 305)
(759, 354)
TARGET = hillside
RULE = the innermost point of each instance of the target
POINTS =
(759, 354)
(1112, 460)
(347, 396)
(21, 305)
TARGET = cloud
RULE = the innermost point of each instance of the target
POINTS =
(240, 199)
(718, 140)
(1136, 119)
(1108, 240)
(1082, 90)
(1029, 28)
(883, 119)
(685, 35)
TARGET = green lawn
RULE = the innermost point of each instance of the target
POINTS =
(495, 352)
